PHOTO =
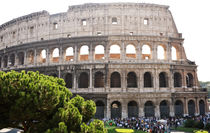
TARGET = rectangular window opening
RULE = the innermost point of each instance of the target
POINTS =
(2, 38)
(99, 33)
(84, 22)
(131, 33)
(31, 29)
(55, 26)
(146, 21)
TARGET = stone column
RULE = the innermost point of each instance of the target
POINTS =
(171, 81)
(16, 59)
(91, 51)
(122, 53)
(141, 81)
(124, 109)
(91, 79)
(48, 56)
(156, 80)
(75, 54)
(25, 62)
(139, 52)
(206, 105)
(61, 55)
(184, 84)
(35, 57)
(196, 106)
(157, 111)
(75, 78)
(154, 52)
(172, 111)
(169, 56)
(123, 80)
(108, 108)
(185, 107)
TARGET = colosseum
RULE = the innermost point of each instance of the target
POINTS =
(127, 57)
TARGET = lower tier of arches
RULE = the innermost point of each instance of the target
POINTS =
(148, 105)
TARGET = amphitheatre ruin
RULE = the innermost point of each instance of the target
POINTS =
(127, 57)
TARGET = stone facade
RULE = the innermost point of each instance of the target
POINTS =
(123, 84)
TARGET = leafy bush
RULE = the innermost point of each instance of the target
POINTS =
(207, 126)
(199, 124)
(189, 123)
(39, 103)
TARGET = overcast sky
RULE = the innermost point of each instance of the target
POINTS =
(192, 18)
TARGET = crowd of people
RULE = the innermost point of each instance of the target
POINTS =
(152, 124)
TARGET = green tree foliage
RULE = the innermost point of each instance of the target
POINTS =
(39, 103)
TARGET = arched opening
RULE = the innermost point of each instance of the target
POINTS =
(20, 58)
(54, 75)
(100, 107)
(114, 20)
(114, 52)
(83, 80)
(163, 79)
(69, 80)
(69, 54)
(132, 109)
(30, 56)
(84, 53)
(99, 52)
(131, 80)
(99, 80)
(148, 79)
(12, 60)
(55, 55)
(202, 107)
(191, 108)
(174, 53)
(161, 52)
(115, 80)
(189, 80)
(149, 109)
(179, 110)
(146, 52)
(130, 51)
(5, 61)
(164, 109)
(116, 110)
(43, 56)
(177, 80)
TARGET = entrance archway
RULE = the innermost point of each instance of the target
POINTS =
(99, 110)
(179, 108)
(132, 109)
(149, 109)
(116, 110)
(164, 109)
(202, 107)
(191, 108)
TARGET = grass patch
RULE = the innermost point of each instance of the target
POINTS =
(185, 129)
(111, 129)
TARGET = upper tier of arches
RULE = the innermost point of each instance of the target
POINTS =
(90, 20)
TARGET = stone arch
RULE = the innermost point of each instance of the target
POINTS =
(115, 80)
(30, 57)
(69, 54)
(12, 60)
(69, 80)
(20, 58)
(163, 79)
(114, 52)
(146, 52)
(84, 53)
(83, 80)
(161, 52)
(164, 109)
(5, 61)
(98, 80)
(174, 53)
(177, 79)
(179, 108)
(43, 55)
(191, 108)
(133, 109)
(149, 109)
(116, 110)
(130, 51)
(202, 107)
(131, 80)
(99, 52)
(148, 80)
(189, 80)
(100, 107)
(55, 55)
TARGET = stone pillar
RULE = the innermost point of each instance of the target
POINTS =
(154, 52)
(75, 54)
(206, 105)
(61, 55)
(25, 62)
(157, 111)
(47, 56)
(106, 52)
(139, 52)
(122, 53)
(172, 111)
(123, 80)
(169, 55)
(185, 107)
(124, 109)
(196, 106)
(156, 80)
(59, 72)
(141, 110)
(91, 79)
(16, 59)
(35, 57)
(91, 51)
(108, 108)
(75, 78)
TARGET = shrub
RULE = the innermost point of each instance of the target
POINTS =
(199, 124)
(189, 123)
(207, 126)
